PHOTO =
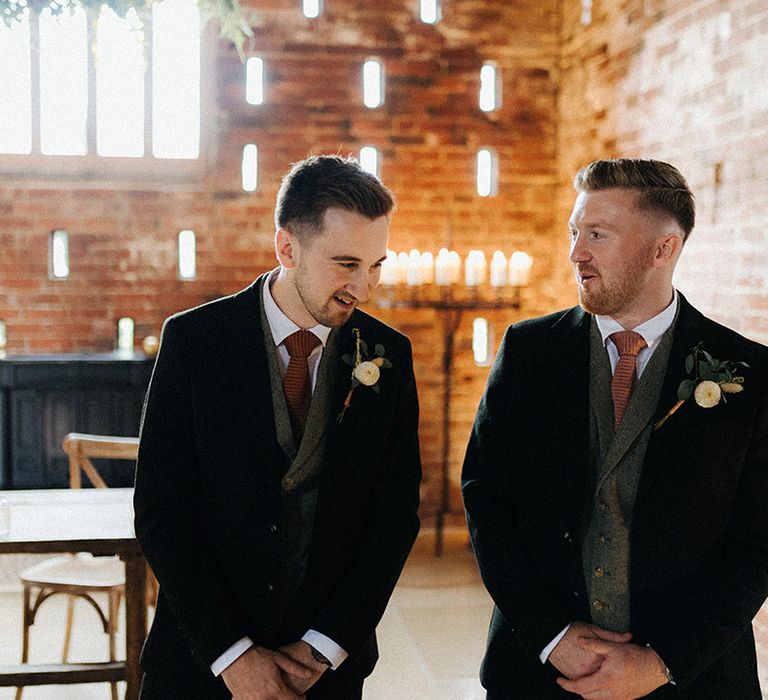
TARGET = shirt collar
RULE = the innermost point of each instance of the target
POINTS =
(280, 325)
(651, 330)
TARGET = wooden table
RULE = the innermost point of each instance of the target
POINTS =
(99, 521)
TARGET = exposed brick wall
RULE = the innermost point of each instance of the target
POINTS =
(656, 79)
(684, 82)
(123, 243)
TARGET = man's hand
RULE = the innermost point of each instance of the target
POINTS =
(573, 659)
(628, 671)
(301, 653)
(258, 675)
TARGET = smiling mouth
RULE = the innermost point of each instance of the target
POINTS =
(348, 303)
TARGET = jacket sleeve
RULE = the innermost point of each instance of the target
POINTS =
(528, 602)
(349, 617)
(168, 512)
(712, 610)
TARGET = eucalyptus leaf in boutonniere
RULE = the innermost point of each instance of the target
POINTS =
(709, 380)
(366, 369)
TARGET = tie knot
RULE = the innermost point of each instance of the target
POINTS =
(301, 343)
(628, 342)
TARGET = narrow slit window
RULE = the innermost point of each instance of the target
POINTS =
(187, 255)
(250, 167)
(254, 80)
(369, 160)
(429, 11)
(59, 259)
(481, 341)
(487, 173)
(373, 83)
(312, 8)
(490, 87)
(125, 328)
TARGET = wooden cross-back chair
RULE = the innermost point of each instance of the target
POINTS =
(81, 575)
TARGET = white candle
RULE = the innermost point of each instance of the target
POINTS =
(413, 276)
(519, 269)
(389, 269)
(474, 268)
(498, 269)
(454, 266)
(401, 267)
(443, 268)
(427, 265)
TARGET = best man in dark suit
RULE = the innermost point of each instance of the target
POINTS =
(625, 546)
(277, 524)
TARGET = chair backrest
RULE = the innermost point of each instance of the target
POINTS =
(80, 447)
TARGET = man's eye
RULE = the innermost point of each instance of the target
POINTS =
(595, 235)
(348, 265)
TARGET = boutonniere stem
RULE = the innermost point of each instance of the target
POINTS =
(364, 371)
(708, 382)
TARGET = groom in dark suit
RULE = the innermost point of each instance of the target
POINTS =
(617, 503)
(277, 483)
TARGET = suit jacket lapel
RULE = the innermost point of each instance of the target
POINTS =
(570, 370)
(249, 397)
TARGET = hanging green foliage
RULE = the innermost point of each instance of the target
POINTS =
(228, 13)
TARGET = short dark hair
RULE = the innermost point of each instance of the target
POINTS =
(320, 182)
(661, 186)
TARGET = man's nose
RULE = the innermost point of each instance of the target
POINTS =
(360, 286)
(579, 250)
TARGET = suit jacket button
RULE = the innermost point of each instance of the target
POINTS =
(599, 572)
(273, 527)
(598, 604)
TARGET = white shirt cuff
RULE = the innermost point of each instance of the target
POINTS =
(326, 646)
(547, 650)
(231, 655)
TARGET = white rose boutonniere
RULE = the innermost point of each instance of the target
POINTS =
(709, 381)
(364, 371)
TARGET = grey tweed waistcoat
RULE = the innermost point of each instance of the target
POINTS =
(617, 459)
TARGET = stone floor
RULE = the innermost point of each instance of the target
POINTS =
(431, 637)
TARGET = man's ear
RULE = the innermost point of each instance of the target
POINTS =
(287, 248)
(668, 250)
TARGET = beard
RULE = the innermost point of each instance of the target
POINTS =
(326, 312)
(611, 298)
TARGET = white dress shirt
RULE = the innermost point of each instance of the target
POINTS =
(651, 330)
(281, 327)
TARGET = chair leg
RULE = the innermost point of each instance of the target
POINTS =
(114, 607)
(26, 621)
(68, 628)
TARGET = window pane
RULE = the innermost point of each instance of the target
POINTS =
(59, 254)
(480, 340)
(429, 11)
(369, 160)
(250, 167)
(487, 173)
(187, 262)
(119, 85)
(15, 89)
(254, 80)
(489, 88)
(373, 84)
(63, 83)
(176, 79)
(311, 8)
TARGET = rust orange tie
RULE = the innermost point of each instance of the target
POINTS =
(629, 344)
(296, 383)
